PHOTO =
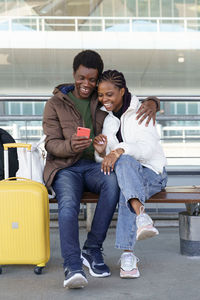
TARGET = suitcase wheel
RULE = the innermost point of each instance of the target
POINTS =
(38, 270)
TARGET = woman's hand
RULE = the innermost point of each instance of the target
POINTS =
(100, 143)
(109, 161)
(147, 110)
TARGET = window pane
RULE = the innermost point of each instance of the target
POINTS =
(14, 108)
(143, 8)
(27, 109)
(192, 108)
(155, 8)
(39, 107)
(181, 108)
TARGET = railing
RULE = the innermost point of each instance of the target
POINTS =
(182, 132)
(24, 126)
(102, 24)
(181, 144)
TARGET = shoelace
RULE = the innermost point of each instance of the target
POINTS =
(143, 219)
(97, 255)
(66, 271)
(128, 259)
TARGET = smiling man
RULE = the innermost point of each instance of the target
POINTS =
(71, 169)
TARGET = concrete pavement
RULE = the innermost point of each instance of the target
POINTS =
(165, 274)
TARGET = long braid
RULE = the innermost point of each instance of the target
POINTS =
(116, 78)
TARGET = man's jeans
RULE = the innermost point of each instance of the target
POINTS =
(135, 181)
(69, 184)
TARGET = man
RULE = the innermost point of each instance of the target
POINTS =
(70, 167)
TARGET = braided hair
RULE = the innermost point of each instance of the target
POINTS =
(118, 80)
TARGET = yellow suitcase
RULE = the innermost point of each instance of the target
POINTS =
(24, 222)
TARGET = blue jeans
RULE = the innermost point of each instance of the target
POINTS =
(135, 181)
(69, 184)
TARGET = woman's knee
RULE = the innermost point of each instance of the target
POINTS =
(126, 161)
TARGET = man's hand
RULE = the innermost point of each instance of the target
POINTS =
(79, 143)
(100, 143)
(147, 110)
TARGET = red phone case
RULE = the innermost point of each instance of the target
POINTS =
(82, 131)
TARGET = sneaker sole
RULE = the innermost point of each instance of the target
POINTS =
(86, 264)
(123, 274)
(78, 281)
(146, 233)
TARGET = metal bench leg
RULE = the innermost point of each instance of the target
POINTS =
(90, 209)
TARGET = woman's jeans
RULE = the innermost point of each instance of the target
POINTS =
(69, 184)
(135, 181)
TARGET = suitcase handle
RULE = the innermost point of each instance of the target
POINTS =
(17, 145)
(10, 178)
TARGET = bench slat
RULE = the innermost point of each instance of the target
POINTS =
(172, 194)
(177, 194)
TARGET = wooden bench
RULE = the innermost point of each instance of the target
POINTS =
(172, 194)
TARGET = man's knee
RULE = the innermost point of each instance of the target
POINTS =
(67, 205)
(110, 180)
(110, 185)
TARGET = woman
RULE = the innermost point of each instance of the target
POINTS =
(134, 152)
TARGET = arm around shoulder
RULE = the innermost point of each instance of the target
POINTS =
(148, 110)
(155, 100)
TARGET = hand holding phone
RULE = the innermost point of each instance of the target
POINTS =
(81, 139)
(83, 131)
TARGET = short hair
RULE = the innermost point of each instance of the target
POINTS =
(117, 79)
(89, 59)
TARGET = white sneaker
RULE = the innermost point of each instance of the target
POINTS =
(145, 228)
(75, 279)
(129, 267)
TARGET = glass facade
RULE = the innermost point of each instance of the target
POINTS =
(149, 70)
(121, 8)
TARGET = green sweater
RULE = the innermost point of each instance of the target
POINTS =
(83, 106)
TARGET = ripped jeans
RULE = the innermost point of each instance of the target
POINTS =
(135, 181)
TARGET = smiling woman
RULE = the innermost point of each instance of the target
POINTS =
(110, 96)
(135, 155)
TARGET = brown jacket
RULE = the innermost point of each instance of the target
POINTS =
(60, 122)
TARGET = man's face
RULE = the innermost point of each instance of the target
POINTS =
(85, 82)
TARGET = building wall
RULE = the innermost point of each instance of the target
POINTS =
(34, 59)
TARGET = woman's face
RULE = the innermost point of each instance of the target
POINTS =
(110, 96)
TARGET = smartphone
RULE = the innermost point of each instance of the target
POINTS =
(83, 131)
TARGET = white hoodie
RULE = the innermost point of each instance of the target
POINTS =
(139, 141)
